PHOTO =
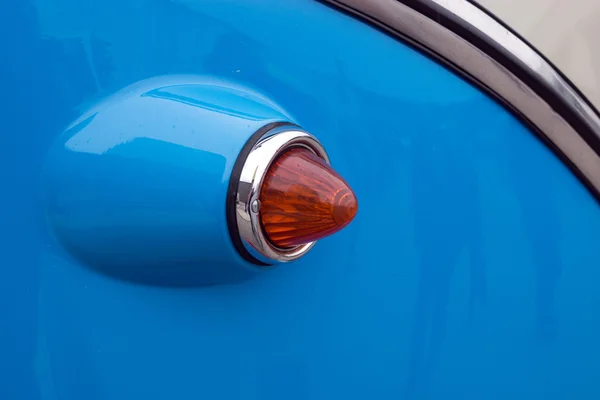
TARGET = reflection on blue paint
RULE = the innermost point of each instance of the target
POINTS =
(181, 93)
(469, 272)
(447, 220)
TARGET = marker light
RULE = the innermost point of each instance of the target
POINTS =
(285, 196)
(302, 199)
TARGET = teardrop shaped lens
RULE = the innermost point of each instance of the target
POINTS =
(303, 199)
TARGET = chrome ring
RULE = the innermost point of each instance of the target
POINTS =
(247, 202)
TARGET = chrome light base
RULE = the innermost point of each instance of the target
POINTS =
(247, 203)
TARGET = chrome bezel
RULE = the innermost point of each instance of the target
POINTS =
(253, 173)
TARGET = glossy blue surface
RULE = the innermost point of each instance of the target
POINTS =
(470, 271)
(137, 186)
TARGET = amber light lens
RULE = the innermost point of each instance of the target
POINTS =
(303, 199)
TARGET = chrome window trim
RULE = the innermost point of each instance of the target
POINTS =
(467, 39)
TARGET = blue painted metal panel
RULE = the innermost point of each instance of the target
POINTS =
(469, 272)
(137, 186)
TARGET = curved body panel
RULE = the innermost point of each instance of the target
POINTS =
(470, 270)
(137, 186)
(474, 44)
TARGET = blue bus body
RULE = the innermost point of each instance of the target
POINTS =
(470, 271)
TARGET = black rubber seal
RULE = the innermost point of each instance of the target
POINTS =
(234, 182)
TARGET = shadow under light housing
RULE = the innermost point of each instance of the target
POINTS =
(287, 197)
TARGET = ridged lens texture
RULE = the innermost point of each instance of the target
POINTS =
(303, 199)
